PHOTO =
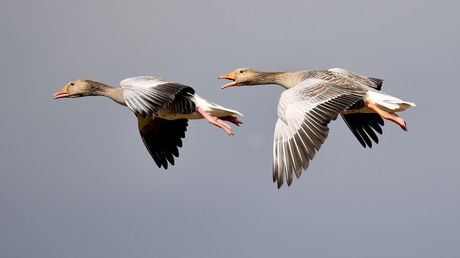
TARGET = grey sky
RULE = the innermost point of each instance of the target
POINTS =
(76, 180)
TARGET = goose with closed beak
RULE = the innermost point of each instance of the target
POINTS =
(311, 100)
(162, 109)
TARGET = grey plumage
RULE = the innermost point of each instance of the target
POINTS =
(312, 99)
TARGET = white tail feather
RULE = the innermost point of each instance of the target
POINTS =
(387, 102)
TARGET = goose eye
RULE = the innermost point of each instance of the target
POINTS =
(72, 84)
(241, 71)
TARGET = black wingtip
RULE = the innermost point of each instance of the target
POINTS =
(162, 138)
(363, 125)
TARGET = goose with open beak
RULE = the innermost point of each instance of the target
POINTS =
(162, 108)
(311, 100)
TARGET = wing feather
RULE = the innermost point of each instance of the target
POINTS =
(162, 138)
(304, 114)
(363, 125)
(144, 95)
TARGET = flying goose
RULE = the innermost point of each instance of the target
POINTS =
(311, 100)
(162, 109)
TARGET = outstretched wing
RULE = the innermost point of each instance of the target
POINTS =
(304, 112)
(162, 138)
(145, 94)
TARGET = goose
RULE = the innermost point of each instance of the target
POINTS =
(311, 100)
(162, 108)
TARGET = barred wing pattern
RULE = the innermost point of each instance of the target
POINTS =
(304, 112)
(368, 81)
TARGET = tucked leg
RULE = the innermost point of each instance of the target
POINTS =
(387, 115)
(231, 119)
(215, 121)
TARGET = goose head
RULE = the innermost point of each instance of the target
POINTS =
(241, 77)
(78, 88)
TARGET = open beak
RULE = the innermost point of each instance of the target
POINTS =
(62, 93)
(230, 76)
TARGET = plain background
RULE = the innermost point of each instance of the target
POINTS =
(76, 180)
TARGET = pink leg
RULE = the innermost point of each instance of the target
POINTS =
(388, 115)
(215, 121)
(231, 119)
